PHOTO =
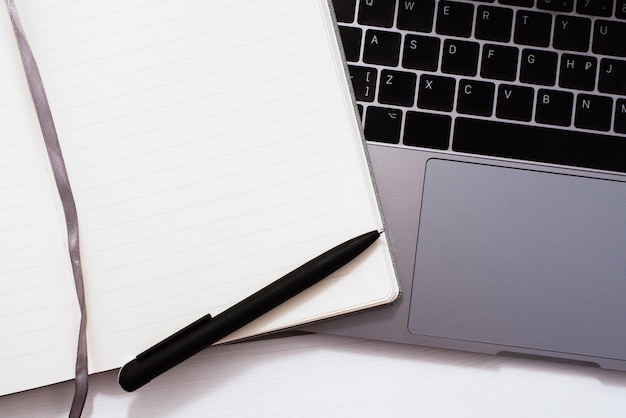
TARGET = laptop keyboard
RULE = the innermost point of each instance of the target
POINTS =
(537, 80)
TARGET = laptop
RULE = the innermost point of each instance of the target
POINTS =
(497, 134)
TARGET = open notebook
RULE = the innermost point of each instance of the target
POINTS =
(212, 147)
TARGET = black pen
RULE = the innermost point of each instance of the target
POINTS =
(207, 330)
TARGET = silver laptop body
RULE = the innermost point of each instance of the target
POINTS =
(497, 135)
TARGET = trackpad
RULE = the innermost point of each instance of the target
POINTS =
(521, 259)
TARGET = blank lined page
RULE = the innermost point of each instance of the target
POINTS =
(37, 308)
(212, 147)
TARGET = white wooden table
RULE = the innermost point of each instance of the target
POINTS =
(326, 376)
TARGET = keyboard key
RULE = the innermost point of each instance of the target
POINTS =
(595, 7)
(381, 48)
(436, 93)
(427, 130)
(363, 82)
(556, 5)
(344, 10)
(421, 52)
(572, 33)
(608, 38)
(460, 57)
(554, 107)
(620, 116)
(455, 18)
(578, 72)
(532, 28)
(522, 3)
(543, 144)
(383, 124)
(499, 62)
(475, 98)
(538, 67)
(377, 12)
(612, 78)
(494, 23)
(515, 102)
(397, 88)
(593, 112)
(416, 15)
(351, 40)
(620, 9)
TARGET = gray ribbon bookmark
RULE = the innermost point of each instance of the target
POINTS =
(67, 199)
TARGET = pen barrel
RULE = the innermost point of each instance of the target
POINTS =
(208, 330)
(297, 280)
